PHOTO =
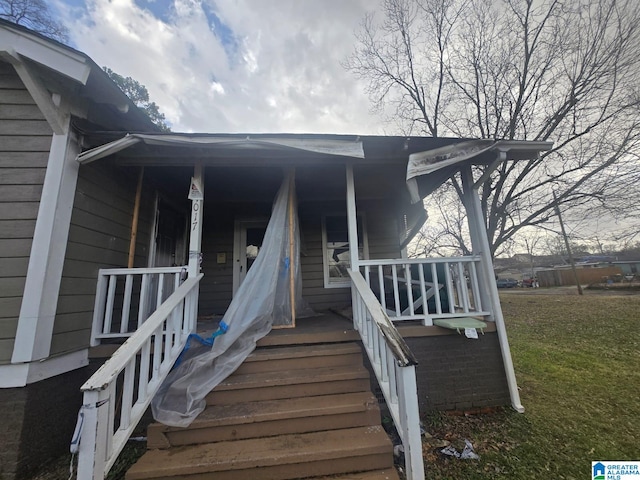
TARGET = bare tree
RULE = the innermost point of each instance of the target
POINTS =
(34, 14)
(555, 70)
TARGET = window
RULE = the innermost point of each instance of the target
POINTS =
(335, 249)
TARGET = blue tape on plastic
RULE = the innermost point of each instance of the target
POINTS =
(207, 342)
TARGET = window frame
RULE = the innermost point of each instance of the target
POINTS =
(364, 239)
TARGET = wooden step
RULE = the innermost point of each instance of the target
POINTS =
(283, 457)
(270, 418)
(300, 357)
(290, 384)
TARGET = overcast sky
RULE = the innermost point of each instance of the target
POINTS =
(233, 65)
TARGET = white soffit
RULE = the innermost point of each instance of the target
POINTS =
(45, 52)
(345, 148)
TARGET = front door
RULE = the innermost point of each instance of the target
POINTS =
(168, 249)
(248, 237)
(170, 236)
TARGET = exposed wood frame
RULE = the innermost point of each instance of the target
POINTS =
(292, 265)
(44, 273)
(134, 221)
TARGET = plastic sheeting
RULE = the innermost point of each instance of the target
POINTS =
(263, 300)
(232, 143)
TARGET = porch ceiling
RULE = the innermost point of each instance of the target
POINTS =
(259, 184)
(248, 167)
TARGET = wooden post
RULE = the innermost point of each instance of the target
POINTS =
(195, 228)
(134, 222)
(292, 265)
(490, 295)
(352, 221)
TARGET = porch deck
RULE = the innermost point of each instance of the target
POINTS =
(326, 327)
(330, 327)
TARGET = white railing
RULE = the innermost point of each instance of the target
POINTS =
(118, 394)
(426, 288)
(126, 297)
(394, 367)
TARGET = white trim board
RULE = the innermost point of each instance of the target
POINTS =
(56, 57)
(22, 374)
(44, 273)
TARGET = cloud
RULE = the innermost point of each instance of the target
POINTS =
(233, 65)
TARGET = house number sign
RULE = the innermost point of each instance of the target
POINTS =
(195, 215)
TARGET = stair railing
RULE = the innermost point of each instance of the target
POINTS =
(118, 394)
(126, 297)
(394, 367)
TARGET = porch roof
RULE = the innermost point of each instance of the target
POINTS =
(428, 161)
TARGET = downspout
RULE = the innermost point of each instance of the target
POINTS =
(480, 246)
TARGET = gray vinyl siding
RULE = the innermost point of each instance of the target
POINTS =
(99, 237)
(25, 140)
(382, 241)
(217, 285)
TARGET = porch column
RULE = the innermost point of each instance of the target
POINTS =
(196, 194)
(489, 292)
(352, 220)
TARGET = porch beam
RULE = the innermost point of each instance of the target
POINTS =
(480, 246)
(352, 220)
(500, 157)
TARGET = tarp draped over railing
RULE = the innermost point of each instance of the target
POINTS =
(263, 300)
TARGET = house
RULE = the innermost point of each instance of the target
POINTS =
(630, 268)
(112, 231)
(49, 93)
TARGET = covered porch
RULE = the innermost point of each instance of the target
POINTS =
(391, 299)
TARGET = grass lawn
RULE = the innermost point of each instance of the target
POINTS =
(577, 361)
